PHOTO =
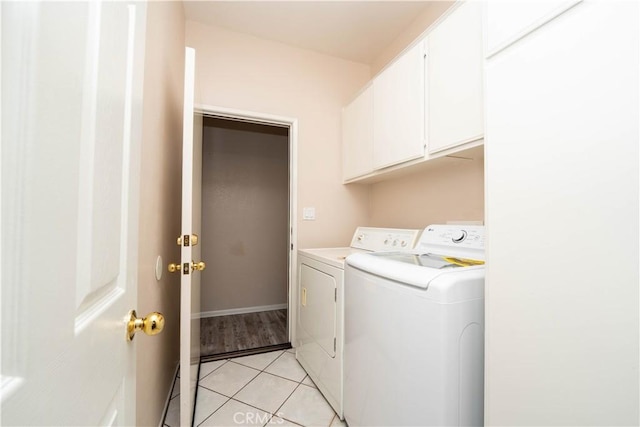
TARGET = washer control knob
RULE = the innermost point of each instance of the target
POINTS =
(403, 243)
(458, 236)
(360, 237)
(395, 242)
(386, 241)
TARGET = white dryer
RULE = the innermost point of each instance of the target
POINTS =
(319, 337)
(414, 332)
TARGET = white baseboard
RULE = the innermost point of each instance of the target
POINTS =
(242, 310)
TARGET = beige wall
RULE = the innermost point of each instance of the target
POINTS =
(243, 72)
(245, 215)
(157, 356)
(453, 190)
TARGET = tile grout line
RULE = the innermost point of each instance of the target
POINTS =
(283, 403)
(275, 375)
(285, 351)
(278, 376)
(232, 397)
(291, 394)
(213, 391)
(282, 378)
(260, 371)
(228, 398)
(225, 362)
(251, 380)
(211, 414)
(221, 394)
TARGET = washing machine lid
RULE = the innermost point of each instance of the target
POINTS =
(431, 260)
(414, 269)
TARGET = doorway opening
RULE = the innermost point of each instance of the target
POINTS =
(246, 236)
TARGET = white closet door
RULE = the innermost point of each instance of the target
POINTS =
(562, 205)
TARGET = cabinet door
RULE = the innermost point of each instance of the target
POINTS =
(357, 136)
(454, 83)
(398, 110)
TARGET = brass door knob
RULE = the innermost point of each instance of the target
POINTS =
(151, 324)
(198, 265)
(173, 267)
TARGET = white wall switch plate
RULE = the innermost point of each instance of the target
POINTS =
(308, 214)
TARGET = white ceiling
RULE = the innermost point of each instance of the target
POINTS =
(353, 30)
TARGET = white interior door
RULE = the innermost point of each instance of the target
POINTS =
(71, 126)
(190, 257)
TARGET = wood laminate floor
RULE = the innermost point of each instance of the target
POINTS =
(239, 332)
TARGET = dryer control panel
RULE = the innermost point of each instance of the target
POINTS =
(384, 239)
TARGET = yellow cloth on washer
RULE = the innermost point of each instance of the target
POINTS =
(463, 262)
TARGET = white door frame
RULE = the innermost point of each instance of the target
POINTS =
(292, 124)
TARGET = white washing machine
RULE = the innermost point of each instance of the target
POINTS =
(414, 332)
(319, 333)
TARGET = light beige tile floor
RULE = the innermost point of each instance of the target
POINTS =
(269, 389)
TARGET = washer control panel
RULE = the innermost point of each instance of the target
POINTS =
(384, 239)
(464, 236)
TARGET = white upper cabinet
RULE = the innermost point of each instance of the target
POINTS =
(454, 79)
(508, 22)
(430, 97)
(357, 136)
(398, 110)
